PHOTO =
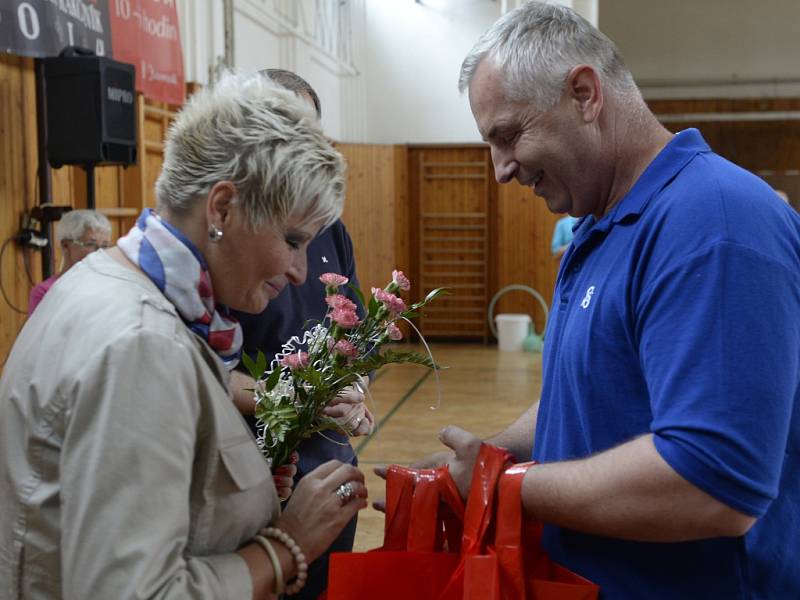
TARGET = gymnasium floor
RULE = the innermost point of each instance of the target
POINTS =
(482, 390)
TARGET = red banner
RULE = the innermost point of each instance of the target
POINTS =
(145, 33)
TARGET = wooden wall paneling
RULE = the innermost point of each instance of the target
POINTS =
(120, 193)
(17, 191)
(453, 239)
(525, 228)
(137, 189)
(78, 179)
(402, 248)
(768, 147)
(494, 219)
(370, 210)
(754, 145)
(63, 186)
(109, 193)
(722, 105)
(402, 219)
(106, 187)
(156, 121)
(133, 178)
(412, 187)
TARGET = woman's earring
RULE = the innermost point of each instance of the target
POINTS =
(214, 233)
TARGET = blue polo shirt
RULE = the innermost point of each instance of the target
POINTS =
(678, 314)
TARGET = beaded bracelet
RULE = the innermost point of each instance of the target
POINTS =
(299, 558)
(276, 563)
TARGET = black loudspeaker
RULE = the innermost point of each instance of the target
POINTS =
(91, 111)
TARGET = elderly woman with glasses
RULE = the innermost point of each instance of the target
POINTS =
(126, 469)
(78, 233)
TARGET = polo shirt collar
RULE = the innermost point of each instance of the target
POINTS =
(681, 149)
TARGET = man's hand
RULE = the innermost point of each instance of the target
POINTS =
(437, 459)
(460, 459)
(465, 446)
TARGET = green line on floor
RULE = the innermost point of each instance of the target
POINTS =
(394, 409)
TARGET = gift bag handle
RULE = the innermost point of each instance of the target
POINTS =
(479, 514)
(432, 487)
(399, 494)
(508, 533)
(414, 519)
(488, 468)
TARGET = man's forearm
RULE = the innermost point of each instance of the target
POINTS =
(517, 438)
(627, 492)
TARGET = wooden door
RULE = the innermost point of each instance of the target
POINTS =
(451, 204)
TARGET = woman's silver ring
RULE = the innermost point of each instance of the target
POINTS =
(345, 492)
(353, 428)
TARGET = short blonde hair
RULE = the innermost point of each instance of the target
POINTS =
(265, 140)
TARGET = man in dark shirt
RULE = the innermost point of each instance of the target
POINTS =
(296, 309)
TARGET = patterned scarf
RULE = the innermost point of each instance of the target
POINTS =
(176, 266)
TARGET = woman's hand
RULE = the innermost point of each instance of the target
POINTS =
(317, 513)
(283, 477)
(350, 412)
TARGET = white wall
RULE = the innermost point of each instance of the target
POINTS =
(415, 52)
(399, 83)
(708, 48)
(202, 37)
(320, 40)
(414, 58)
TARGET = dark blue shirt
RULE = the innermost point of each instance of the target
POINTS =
(289, 314)
(678, 314)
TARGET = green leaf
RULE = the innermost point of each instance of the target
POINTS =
(313, 377)
(374, 305)
(359, 294)
(272, 380)
(303, 394)
(431, 295)
(374, 361)
(261, 364)
(256, 368)
(251, 366)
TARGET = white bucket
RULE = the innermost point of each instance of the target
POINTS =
(512, 329)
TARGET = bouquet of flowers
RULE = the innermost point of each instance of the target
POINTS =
(311, 370)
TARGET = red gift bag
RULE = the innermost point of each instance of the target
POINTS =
(422, 540)
(521, 566)
(435, 549)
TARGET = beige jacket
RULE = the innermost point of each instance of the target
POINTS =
(125, 469)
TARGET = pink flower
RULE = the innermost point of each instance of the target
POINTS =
(394, 333)
(295, 361)
(401, 281)
(345, 348)
(389, 300)
(347, 319)
(338, 301)
(333, 279)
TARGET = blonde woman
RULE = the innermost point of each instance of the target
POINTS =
(126, 470)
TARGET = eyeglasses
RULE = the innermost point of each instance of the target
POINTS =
(91, 245)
